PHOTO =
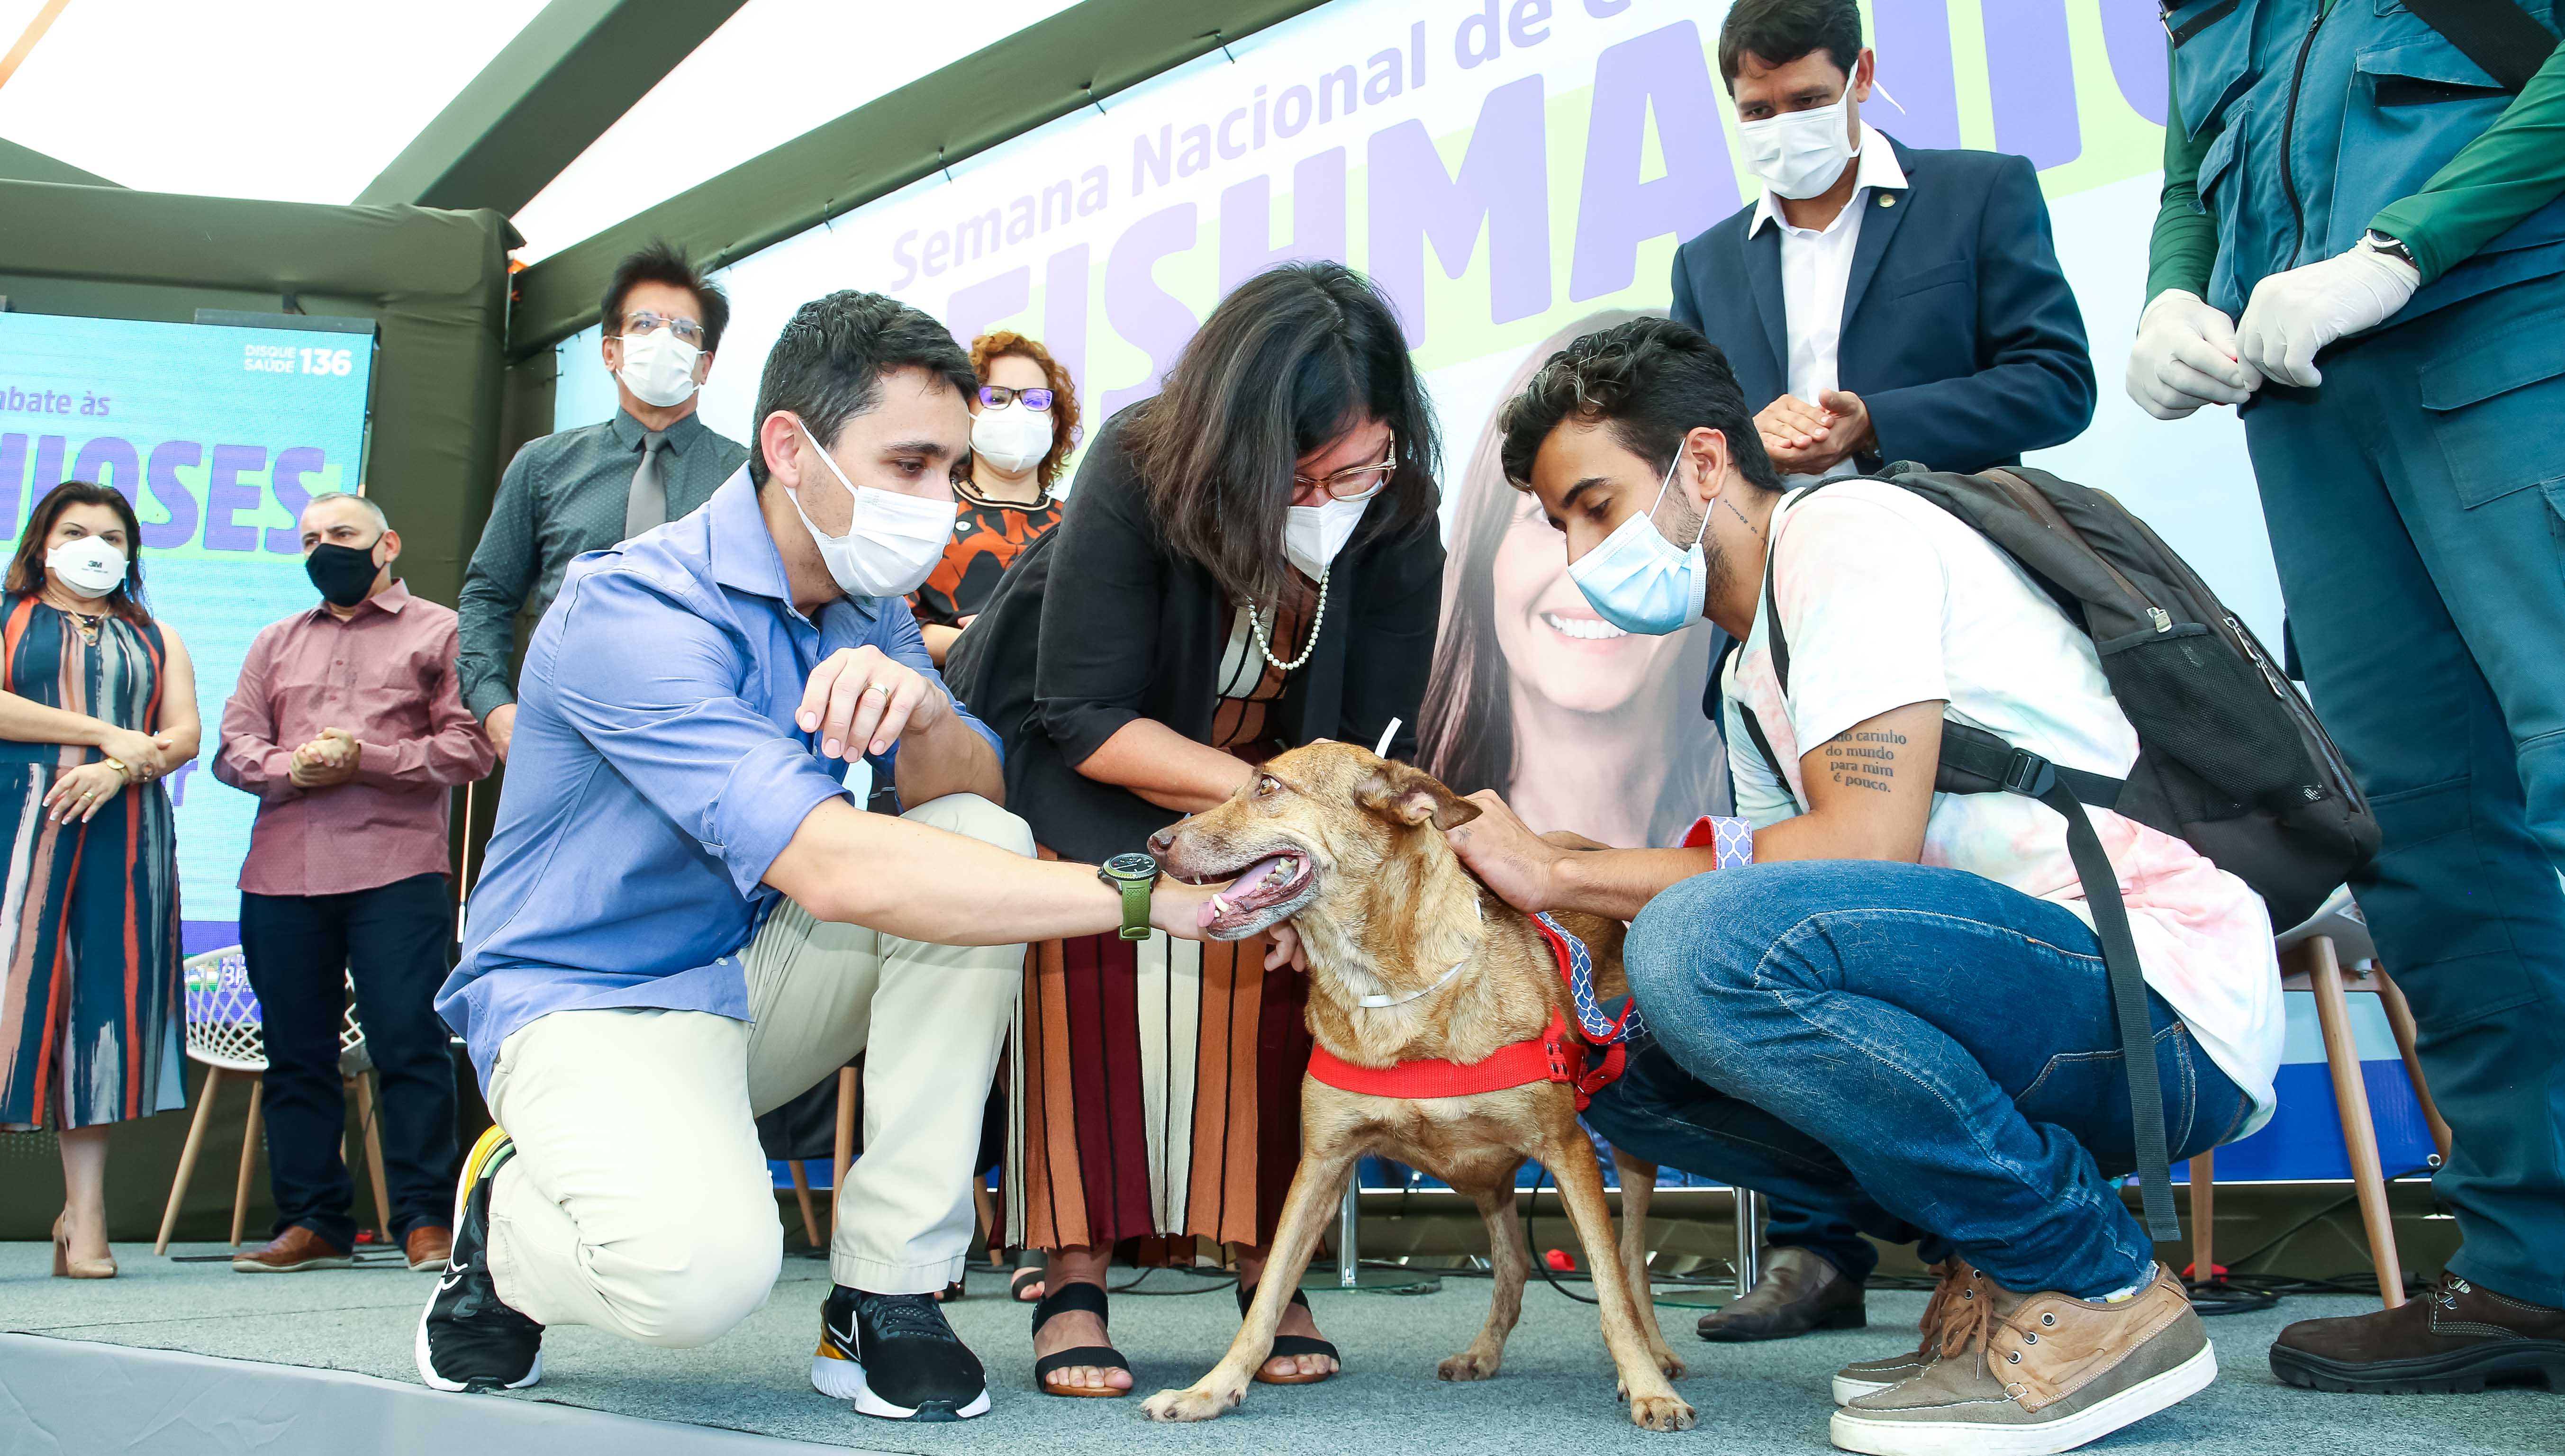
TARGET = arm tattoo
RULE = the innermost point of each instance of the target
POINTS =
(1863, 759)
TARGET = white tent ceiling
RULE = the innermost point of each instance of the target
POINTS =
(307, 101)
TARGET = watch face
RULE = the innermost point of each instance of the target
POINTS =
(1134, 865)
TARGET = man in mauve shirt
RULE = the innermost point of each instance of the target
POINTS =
(348, 726)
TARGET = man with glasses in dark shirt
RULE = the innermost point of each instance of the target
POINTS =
(585, 489)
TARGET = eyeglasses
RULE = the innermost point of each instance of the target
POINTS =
(999, 397)
(1355, 480)
(687, 330)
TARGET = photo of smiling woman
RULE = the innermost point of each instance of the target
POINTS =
(1579, 725)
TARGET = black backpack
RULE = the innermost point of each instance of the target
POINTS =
(2230, 756)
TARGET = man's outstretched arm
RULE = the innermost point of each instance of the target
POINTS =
(924, 883)
(1870, 790)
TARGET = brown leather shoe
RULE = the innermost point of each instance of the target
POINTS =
(1796, 1292)
(429, 1246)
(2458, 1337)
(291, 1252)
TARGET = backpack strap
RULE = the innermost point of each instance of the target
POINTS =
(1974, 760)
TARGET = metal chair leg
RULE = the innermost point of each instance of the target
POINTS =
(1748, 1242)
(250, 1136)
(2351, 1102)
(187, 1154)
(366, 1106)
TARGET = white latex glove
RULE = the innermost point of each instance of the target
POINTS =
(2184, 357)
(2294, 315)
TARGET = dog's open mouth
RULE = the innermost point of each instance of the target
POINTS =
(1266, 891)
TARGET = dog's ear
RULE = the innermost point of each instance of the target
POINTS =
(1410, 795)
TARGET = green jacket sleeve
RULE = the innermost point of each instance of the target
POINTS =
(2510, 171)
(2185, 246)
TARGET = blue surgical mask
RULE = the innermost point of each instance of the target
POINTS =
(1640, 582)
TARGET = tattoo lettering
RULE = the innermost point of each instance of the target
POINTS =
(1863, 759)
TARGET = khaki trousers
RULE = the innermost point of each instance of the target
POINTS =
(639, 1201)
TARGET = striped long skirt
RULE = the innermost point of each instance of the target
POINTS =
(90, 1001)
(1157, 1094)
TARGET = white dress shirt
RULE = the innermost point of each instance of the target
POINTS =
(1816, 264)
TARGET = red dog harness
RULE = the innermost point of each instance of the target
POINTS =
(1554, 1056)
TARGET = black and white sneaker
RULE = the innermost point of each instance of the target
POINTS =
(895, 1357)
(467, 1339)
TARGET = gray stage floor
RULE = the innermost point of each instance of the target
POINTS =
(1557, 1385)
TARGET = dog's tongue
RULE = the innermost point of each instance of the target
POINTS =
(1248, 891)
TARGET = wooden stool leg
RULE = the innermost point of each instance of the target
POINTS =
(802, 1195)
(2204, 1217)
(2400, 1020)
(849, 1088)
(364, 1090)
(187, 1154)
(249, 1150)
(2351, 1102)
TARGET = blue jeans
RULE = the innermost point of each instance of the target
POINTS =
(1922, 1053)
(2416, 506)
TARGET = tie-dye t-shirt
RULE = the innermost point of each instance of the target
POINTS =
(1887, 600)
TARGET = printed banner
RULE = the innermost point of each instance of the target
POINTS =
(219, 436)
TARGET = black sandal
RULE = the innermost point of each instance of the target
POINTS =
(1288, 1344)
(1088, 1298)
(1029, 1274)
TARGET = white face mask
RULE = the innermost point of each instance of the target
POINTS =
(87, 567)
(658, 367)
(893, 544)
(1010, 437)
(1313, 535)
(1637, 580)
(1799, 154)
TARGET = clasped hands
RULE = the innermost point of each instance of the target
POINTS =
(327, 760)
(2188, 353)
(1811, 440)
(131, 757)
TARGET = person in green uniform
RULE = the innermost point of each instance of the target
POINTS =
(2362, 247)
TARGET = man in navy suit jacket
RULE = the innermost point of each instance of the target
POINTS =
(1907, 306)
(1892, 304)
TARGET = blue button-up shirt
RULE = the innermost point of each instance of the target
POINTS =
(654, 774)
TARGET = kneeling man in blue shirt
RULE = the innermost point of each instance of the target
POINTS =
(687, 921)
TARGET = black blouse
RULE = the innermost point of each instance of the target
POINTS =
(1134, 630)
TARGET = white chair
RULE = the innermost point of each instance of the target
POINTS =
(2312, 958)
(226, 1032)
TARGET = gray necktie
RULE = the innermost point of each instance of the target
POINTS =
(647, 506)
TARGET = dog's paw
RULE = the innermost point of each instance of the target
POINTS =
(1668, 1361)
(1661, 1413)
(1468, 1364)
(1196, 1403)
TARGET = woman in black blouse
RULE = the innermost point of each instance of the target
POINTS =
(1248, 562)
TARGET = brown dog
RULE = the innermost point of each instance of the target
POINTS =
(1349, 848)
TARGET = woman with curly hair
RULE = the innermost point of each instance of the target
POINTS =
(1024, 423)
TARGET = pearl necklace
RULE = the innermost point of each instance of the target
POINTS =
(1264, 644)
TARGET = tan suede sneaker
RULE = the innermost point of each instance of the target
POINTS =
(1960, 1289)
(2029, 1374)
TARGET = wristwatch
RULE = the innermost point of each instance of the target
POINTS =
(2379, 242)
(1135, 875)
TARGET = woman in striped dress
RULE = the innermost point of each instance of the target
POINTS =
(1248, 562)
(96, 703)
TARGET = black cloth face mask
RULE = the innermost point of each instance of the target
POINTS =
(345, 573)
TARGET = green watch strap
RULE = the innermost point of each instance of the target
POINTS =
(1135, 907)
